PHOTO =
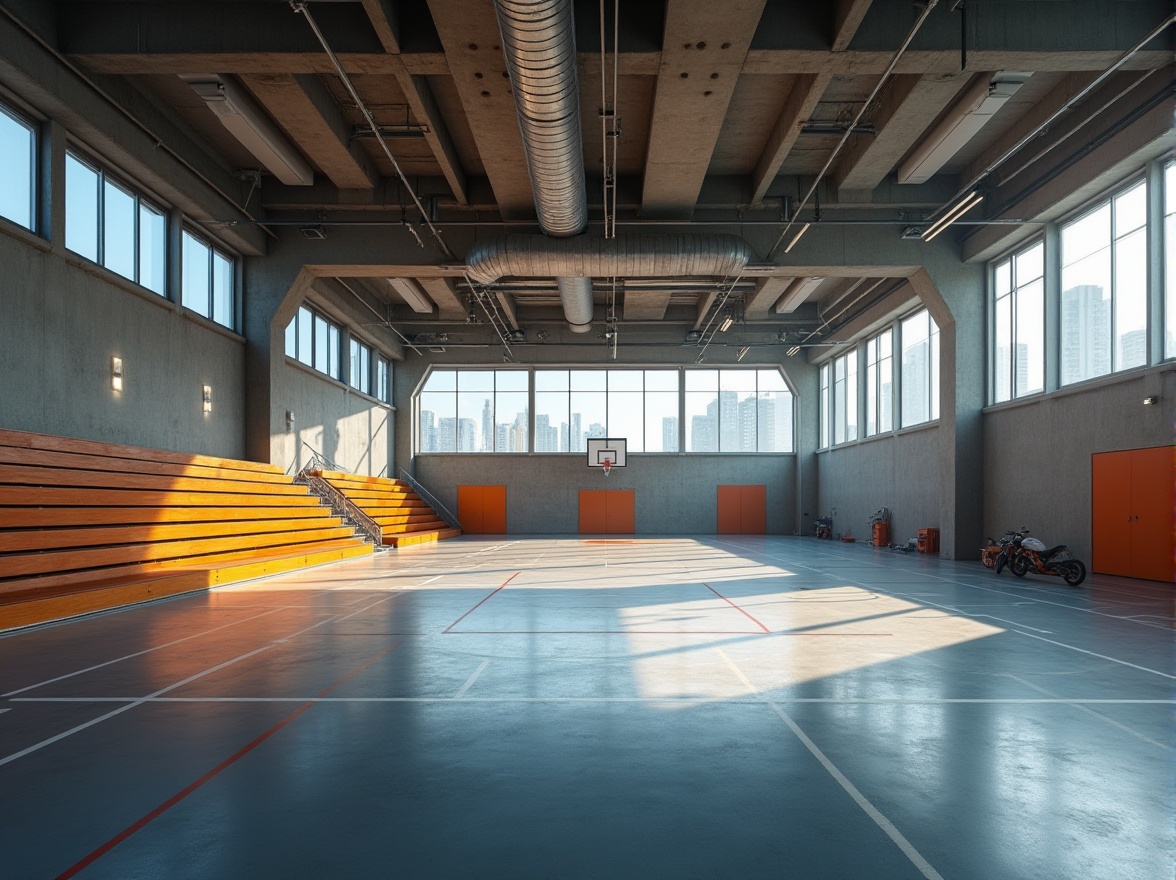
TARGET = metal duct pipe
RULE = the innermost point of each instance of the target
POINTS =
(539, 43)
(635, 256)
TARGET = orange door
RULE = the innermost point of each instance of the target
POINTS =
(730, 510)
(620, 512)
(469, 509)
(593, 519)
(1153, 526)
(1110, 495)
(754, 510)
(494, 510)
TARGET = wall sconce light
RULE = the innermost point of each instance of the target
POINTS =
(206, 397)
(289, 419)
(116, 373)
(1151, 400)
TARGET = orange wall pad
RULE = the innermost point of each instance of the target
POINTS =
(607, 511)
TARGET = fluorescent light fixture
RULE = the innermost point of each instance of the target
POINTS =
(961, 124)
(728, 320)
(743, 351)
(794, 351)
(206, 398)
(116, 373)
(797, 292)
(796, 237)
(969, 201)
(412, 294)
(249, 124)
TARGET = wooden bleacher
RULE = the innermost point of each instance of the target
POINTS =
(86, 526)
(405, 519)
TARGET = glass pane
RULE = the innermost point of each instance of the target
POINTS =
(475, 380)
(118, 230)
(1130, 210)
(737, 420)
(737, 380)
(16, 158)
(916, 370)
(382, 380)
(702, 418)
(292, 338)
(511, 420)
(1002, 277)
(551, 380)
(152, 249)
(1002, 349)
(195, 284)
(222, 290)
(551, 420)
(1170, 261)
(1030, 264)
(321, 345)
(661, 420)
(588, 416)
(826, 410)
(1029, 364)
(626, 380)
(775, 421)
(438, 422)
(626, 418)
(589, 380)
(511, 380)
(933, 347)
(886, 387)
(305, 336)
(365, 370)
(475, 421)
(851, 396)
(771, 380)
(702, 380)
(81, 208)
(839, 400)
(441, 380)
(335, 364)
(1131, 301)
(1086, 235)
(661, 380)
(1086, 318)
(871, 398)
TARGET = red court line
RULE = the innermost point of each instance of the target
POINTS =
(223, 765)
(501, 586)
(737, 608)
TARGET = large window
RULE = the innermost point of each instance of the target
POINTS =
(18, 161)
(208, 286)
(842, 401)
(383, 379)
(314, 341)
(1104, 288)
(1018, 328)
(108, 223)
(360, 374)
(474, 411)
(1170, 260)
(880, 384)
(741, 410)
(920, 368)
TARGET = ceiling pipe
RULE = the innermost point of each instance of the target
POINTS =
(539, 45)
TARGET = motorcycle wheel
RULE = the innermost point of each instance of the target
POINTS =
(1073, 572)
(1019, 566)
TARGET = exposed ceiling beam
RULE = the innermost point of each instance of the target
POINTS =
(907, 106)
(645, 305)
(411, 293)
(705, 301)
(798, 293)
(802, 101)
(312, 117)
(469, 33)
(847, 18)
(385, 21)
(703, 50)
(767, 291)
(443, 292)
(508, 308)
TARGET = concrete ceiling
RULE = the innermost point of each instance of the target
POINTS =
(712, 97)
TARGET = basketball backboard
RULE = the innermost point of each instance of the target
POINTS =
(601, 449)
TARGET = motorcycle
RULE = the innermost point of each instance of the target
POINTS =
(825, 527)
(1026, 554)
(996, 554)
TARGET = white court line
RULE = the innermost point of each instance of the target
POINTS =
(1100, 656)
(2, 711)
(1098, 715)
(881, 821)
(139, 701)
(751, 688)
(136, 654)
(701, 701)
(470, 681)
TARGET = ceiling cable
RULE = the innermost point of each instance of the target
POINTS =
(300, 6)
(857, 119)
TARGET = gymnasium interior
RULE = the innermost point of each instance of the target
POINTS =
(577, 439)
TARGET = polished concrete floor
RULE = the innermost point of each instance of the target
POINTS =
(560, 708)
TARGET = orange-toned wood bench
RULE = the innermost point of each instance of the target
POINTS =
(405, 519)
(86, 526)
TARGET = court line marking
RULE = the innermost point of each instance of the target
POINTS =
(1100, 656)
(737, 608)
(485, 599)
(215, 771)
(2, 711)
(1098, 715)
(136, 654)
(461, 692)
(835, 701)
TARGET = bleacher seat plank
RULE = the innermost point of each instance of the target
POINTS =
(26, 496)
(19, 475)
(49, 517)
(110, 464)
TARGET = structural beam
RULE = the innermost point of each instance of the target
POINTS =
(847, 18)
(443, 291)
(767, 290)
(645, 305)
(802, 101)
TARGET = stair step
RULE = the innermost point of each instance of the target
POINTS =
(417, 538)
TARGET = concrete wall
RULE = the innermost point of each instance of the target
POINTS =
(61, 322)
(348, 428)
(900, 472)
(1037, 452)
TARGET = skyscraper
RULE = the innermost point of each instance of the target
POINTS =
(670, 434)
(1086, 333)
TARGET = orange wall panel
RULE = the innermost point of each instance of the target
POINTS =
(469, 509)
(1110, 494)
(1153, 526)
(754, 510)
(729, 517)
(593, 520)
(620, 512)
(494, 510)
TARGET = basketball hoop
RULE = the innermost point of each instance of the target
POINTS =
(607, 465)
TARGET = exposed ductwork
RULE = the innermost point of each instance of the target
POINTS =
(539, 43)
(635, 256)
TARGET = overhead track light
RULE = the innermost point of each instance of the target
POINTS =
(798, 291)
(249, 124)
(728, 320)
(969, 201)
(796, 237)
(412, 294)
(963, 121)
(743, 351)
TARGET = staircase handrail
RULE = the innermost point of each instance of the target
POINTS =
(437, 506)
(341, 505)
(317, 459)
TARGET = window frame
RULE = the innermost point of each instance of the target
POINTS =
(23, 121)
(931, 340)
(188, 233)
(874, 384)
(315, 316)
(1018, 287)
